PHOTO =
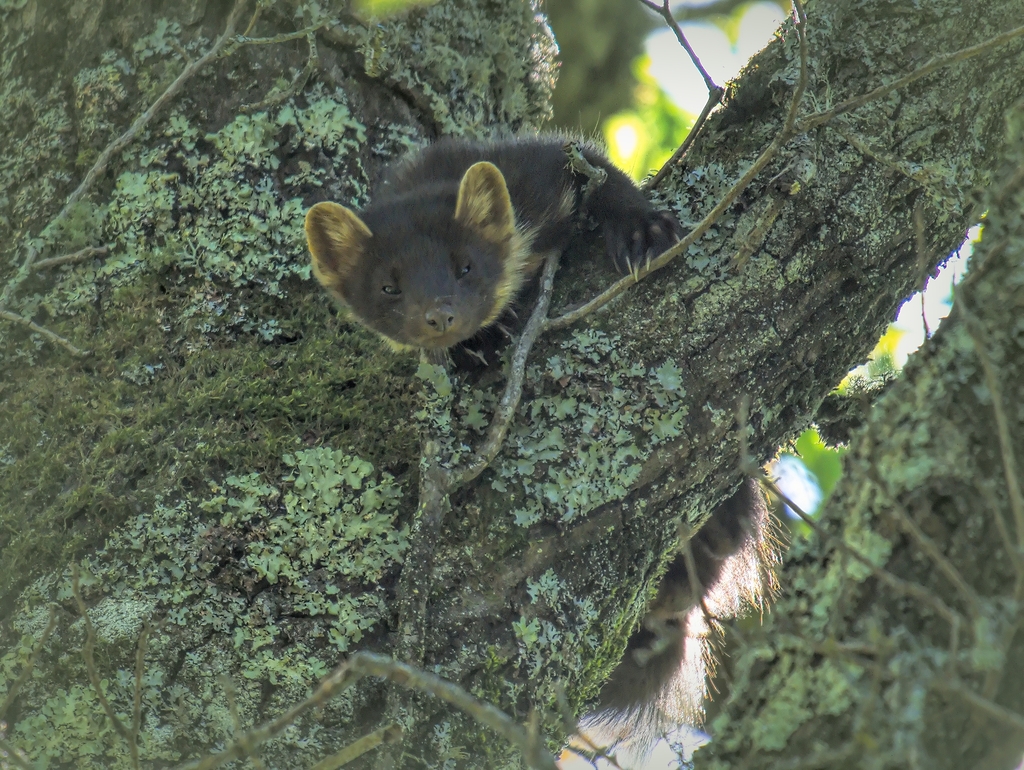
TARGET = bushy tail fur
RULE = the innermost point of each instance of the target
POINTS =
(661, 681)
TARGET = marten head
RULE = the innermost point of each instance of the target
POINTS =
(427, 269)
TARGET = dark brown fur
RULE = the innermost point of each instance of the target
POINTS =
(455, 232)
(660, 681)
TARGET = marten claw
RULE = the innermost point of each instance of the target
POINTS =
(630, 249)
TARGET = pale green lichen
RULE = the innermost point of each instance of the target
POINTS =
(562, 476)
(193, 444)
(327, 524)
(467, 94)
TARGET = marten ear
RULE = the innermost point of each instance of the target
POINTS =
(337, 239)
(483, 203)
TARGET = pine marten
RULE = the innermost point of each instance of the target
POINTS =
(455, 232)
(661, 680)
(451, 238)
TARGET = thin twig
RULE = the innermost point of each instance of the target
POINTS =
(390, 734)
(123, 141)
(79, 256)
(946, 567)
(666, 13)
(795, 127)
(14, 755)
(921, 174)
(437, 483)
(572, 727)
(338, 680)
(903, 586)
(758, 232)
(714, 99)
(596, 176)
(991, 708)
(783, 136)
(937, 62)
(140, 670)
(277, 96)
(514, 389)
(284, 37)
(228, 685)
(1002, 423)
(94, 676)
(1015, 553)
(686, 533)
(715, 92)
(26, 672)
(922, 260)
(51, 336)
(371, 664)
(253, 19)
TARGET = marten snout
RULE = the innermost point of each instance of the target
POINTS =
(440, 318)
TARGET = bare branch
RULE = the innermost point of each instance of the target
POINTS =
(935, 63)
(140, 669)
(94, 676)
(783, 136)
(305, 32)
(666, 13)
(390, 734)
(984, 705)
(79, 256)
(100, 166)
(1016, 555)
(337, 681)
(13, 755)
(514, 389)
(577, 162)
(277, 96)
(931, 550)
(904, 587)
(371, 664)
(51, 336)
(253, 19)
(714, 99)
(236, 722)
(923, 175)
(572, 727)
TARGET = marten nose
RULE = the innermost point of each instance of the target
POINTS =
(440, 319)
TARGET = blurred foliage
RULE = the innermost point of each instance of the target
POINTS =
(823, 461)
(598, 40)
(727, 15)
(378, 9)
(641, 139)
(882, 362)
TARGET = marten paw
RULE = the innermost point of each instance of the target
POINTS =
(633, 241)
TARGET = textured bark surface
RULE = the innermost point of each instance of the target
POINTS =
(248, 461)
(850, 670)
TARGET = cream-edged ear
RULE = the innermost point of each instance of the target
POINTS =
(483, 203)
(337, 238)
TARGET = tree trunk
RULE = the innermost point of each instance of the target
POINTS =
(912, 657)
(240, 467)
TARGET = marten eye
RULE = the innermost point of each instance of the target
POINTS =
(392, 291)
(464, 270)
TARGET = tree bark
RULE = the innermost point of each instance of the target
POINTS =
(241, 467)
(855, 669)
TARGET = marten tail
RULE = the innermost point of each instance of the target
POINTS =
(661, 681)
